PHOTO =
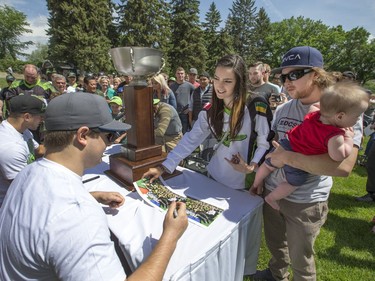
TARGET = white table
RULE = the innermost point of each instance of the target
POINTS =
(226, 250)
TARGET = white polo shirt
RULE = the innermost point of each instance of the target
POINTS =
(16, 151)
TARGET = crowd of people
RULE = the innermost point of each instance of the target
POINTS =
(315, 119)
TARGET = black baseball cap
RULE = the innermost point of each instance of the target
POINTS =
(204, 74)
(10, 78)
(26, 103)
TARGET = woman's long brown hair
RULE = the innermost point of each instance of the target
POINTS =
(216, 112)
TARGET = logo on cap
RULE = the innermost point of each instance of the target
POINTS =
(291, 57)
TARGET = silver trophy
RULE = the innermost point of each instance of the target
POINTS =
(140, 153)
(139, 62)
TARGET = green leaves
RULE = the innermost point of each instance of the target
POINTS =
(82, 32)
(187, 42)
(79, 33)
(13, 25)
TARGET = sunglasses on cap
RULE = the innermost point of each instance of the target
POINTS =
(111, 136)
(294, 75)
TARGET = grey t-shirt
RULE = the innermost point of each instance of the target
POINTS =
(266, 90)
(316, 188)
(182, 92)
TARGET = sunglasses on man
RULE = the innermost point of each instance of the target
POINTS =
(294, 75)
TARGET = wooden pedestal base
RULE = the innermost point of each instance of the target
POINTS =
(126, 172)
(138, 154)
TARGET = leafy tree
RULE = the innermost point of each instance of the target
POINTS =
(358, 54)
(341, 50)
(187, 48)
(13, 24)
(39, 54)
(367, 72)
(144, 23)
(78, 32)
(240, 25)
(299, 31)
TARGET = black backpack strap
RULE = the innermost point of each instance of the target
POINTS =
(207, 108)
(257, 105)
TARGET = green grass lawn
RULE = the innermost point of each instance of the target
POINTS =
(345, 247)
(3, 83)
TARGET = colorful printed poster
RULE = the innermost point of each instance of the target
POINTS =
(159, 195)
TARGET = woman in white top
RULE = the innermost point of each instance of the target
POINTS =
(228, 119)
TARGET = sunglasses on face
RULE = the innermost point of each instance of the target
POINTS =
(294, 75)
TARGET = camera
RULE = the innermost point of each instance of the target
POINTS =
(276, 97)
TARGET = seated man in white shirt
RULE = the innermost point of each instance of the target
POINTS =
(17, 146)
(51, 228)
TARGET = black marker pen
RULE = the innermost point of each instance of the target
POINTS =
(90, 179)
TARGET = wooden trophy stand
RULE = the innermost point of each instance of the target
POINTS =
(140, 153)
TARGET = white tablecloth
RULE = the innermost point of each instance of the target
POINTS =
(226, 250)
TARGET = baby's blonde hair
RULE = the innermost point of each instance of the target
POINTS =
(342, 97)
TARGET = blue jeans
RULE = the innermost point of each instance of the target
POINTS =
(369, 143)
(294, 176)
(185, 122)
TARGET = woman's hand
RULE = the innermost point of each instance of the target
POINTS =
(153, 173)
(240, 165)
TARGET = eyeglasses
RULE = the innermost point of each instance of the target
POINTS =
(110, 136)
(294, 75)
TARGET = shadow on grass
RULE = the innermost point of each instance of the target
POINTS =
(352, 236)
(360, 170)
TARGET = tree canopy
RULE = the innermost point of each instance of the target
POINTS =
(187, 44)
(78, 32)
(241, 25)
(13, 25)
(82, 32)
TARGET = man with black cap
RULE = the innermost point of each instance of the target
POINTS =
(290, 233)
(51, 228)
(201, 96)
(3, 111)
(17, 146)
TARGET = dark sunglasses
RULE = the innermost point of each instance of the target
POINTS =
(294, 75)
(110, 136)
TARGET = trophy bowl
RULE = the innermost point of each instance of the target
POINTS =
(139, 62)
